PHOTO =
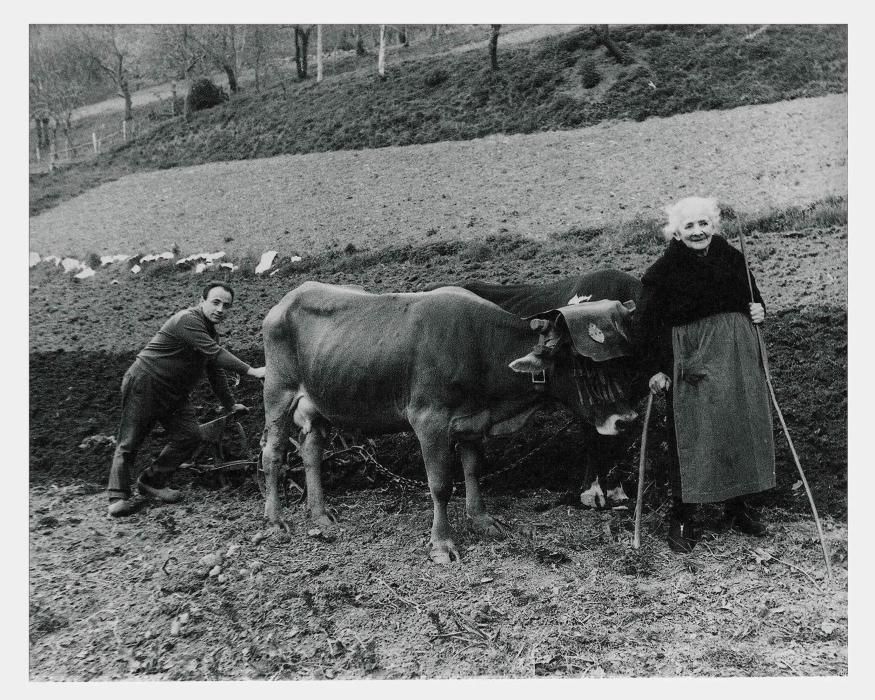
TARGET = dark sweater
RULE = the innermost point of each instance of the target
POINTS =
(186, 346)
(681, 287)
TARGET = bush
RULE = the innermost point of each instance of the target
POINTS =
(589, 74)
(435, 77)
(204, 93)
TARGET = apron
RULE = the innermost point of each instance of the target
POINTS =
(723, 419)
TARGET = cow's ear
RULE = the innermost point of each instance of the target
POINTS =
(629, 305)
(530, 364)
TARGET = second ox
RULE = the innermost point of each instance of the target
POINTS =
(603, 487)
(447, 364)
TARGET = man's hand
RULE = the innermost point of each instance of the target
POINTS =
(257, 372)
(757, 312)
(659, 383)
(239, 408)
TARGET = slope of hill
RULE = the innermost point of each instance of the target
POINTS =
(754, 158)
(540, 86)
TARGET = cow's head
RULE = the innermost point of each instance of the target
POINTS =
(583, 359)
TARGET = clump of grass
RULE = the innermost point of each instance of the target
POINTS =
(824, 213)
(580, 234)
(477, 251)
(247, 264)
(589, 74)
(643, 235)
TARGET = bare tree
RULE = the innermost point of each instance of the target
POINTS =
(493, 46)
(359, 41)
(603, 32)
(60, 78)
(381, 56)
(110, 48)
(223, 46)
(302, 39)
(257, 47)
(175, 54)
(318, 53)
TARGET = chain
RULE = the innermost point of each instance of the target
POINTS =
(416, 483)
(362, 454)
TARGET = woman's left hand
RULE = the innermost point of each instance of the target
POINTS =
(757, 312)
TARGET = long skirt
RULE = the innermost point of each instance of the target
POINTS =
(722, 414)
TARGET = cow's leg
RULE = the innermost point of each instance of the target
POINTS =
(312, 450)
(438, 457)
(471, 454)
(277, 406)
(594, 495)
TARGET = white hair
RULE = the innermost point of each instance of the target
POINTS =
(687, 209)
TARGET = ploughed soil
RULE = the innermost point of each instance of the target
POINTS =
(564, 595)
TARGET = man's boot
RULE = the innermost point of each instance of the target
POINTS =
(152, 485)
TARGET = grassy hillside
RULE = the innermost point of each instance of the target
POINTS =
(538, 87)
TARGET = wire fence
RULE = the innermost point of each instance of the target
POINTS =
(278, 72)
(45, 158)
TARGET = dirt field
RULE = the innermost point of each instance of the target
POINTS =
(564, 595)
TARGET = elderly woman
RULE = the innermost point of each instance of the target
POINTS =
(698, 344)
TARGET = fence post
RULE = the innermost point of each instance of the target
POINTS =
(124, 131)
(94, 141)
(37, 153)
(52, 155)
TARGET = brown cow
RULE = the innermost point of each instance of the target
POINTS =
(449, 365)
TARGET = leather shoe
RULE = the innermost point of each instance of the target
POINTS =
(744, 519)
(682, 536)
(165, 493)
(120, 507)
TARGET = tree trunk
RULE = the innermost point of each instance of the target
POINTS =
(603, 32)
(68, 136)
(173, 98)
(402, 36)
(53, 147)
(186, 103)
(40, 139)
(493, 46)
(318, 53)
(126, 93)
(381, 56)
(232, 78)
(302, 37)
(359, 41)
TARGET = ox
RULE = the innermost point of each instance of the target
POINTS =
(449, 365)
(529, 299)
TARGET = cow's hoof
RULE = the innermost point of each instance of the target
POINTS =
(326, 522)
(617, 497)
(593, 500)
(444, 553)
(281, 531)
(487, 526)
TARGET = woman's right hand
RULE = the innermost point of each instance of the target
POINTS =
(659, 383)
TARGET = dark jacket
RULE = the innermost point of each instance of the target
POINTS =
(185, 347)
(681, 287)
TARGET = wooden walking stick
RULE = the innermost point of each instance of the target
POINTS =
(636, 541)
(780, 415)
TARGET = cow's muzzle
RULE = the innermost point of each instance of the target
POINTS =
(616, 423)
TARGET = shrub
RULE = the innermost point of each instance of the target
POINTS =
(435, 77)
(589, 74)
(204, 93)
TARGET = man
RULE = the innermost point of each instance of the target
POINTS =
(156, 387)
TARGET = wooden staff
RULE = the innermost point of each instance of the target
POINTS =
(778, 409)
(636, 541)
